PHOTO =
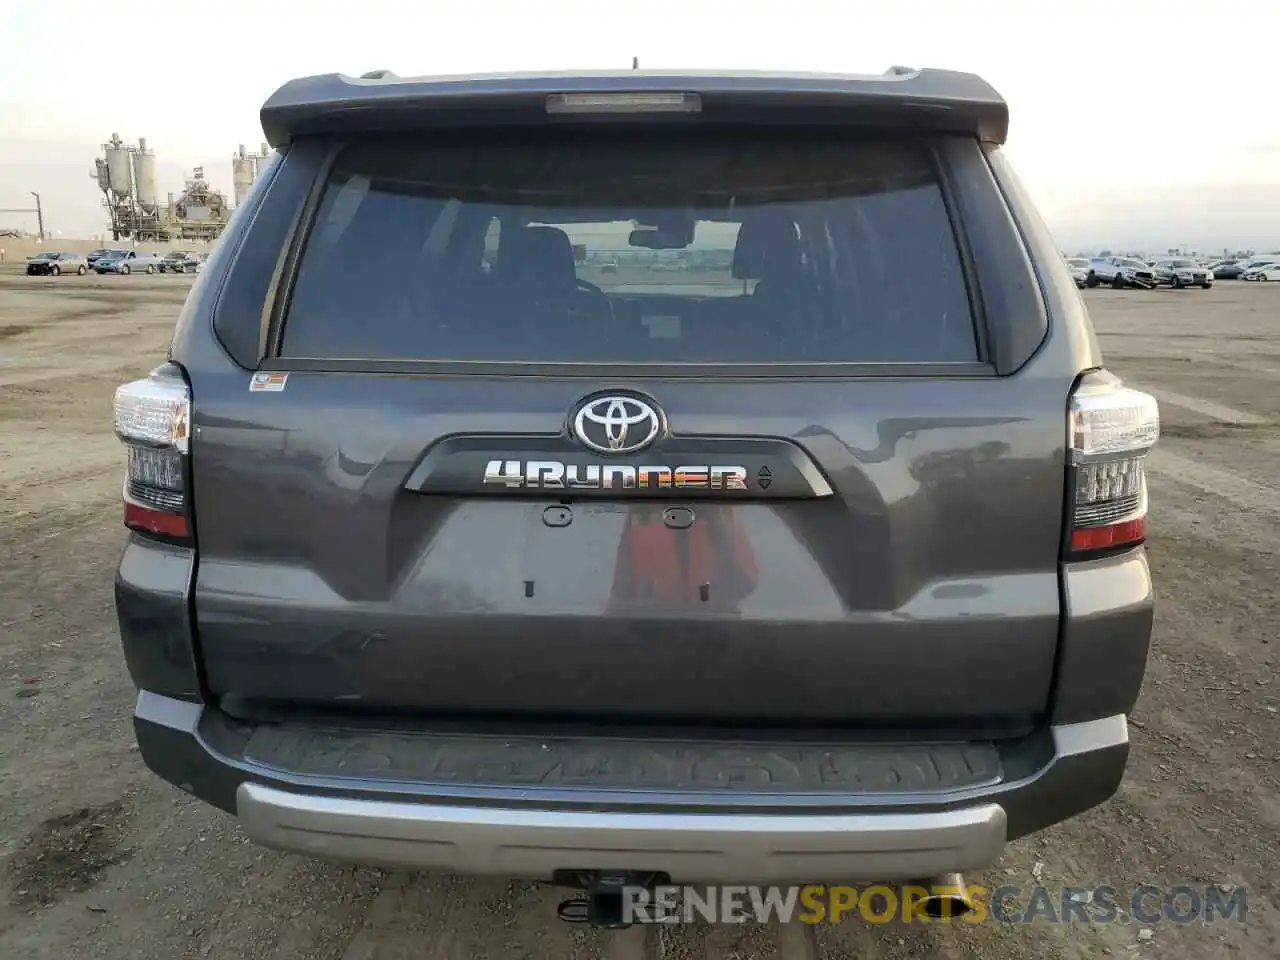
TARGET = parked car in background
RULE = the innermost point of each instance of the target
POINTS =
(53, 264)
(901, 697)
(1270, 273)
(173, 261)
(104, 261)
(1179, 272)
(94, 256)
(191, 262)
(1229, 269)
(1120, 272)
(1079, 269)
(128, 261)
(1250, 269)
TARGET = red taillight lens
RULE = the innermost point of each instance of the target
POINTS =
(151, 520)
(1113, 428)
(1112, 535)
(152, 419)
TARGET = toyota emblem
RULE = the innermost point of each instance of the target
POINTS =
(617, 424)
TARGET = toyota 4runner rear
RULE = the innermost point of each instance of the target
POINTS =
(803, 543)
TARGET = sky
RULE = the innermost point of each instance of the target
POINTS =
(1134, 125)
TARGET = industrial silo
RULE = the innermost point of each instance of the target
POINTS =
(102, 174)
(242, 175)
(144, 176)
(119, 166)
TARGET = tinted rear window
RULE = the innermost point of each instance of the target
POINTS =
(633, 249)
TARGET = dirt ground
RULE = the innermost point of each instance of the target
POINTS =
(99, 859)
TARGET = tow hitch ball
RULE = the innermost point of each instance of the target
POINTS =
(603, 906)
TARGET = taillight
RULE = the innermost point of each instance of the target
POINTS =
(1113, 428)
(153, 420)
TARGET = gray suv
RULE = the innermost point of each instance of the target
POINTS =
(797, 566)
(1179, 272)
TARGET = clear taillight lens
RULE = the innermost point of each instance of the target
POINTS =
(154, 411)
(153, 419)
(1108, 418)
(1112, 429)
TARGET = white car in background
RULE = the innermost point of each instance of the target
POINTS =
(1079, 267)
(1253, 268)
(1120, 272)
(1268, 272)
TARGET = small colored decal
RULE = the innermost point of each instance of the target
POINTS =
(267, 382)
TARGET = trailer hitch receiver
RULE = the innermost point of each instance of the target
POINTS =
(605, 903)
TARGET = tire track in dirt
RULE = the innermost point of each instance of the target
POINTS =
(1246, 495)
(55, 372)
(1215, 411)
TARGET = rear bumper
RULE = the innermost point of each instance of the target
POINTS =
(715, 836)
(704, 847)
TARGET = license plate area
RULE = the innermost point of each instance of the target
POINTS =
(616, 558)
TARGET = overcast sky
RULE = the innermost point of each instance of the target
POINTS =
(1134, 124)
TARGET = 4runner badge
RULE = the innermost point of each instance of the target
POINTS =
(558, 475)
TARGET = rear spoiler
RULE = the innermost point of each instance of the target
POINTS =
(926, 100)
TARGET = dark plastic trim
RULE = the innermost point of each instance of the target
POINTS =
(1063, 307)
(280, 293)
(455, 465)
(1050, 776)
(968, 265)
(632, 371)
(257, 245)
(339, 105)
(1013, 304)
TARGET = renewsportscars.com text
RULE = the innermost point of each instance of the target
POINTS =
(1147, 904)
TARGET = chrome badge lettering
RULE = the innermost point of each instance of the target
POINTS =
(556, 475)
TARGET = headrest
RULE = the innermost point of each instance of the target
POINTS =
(767, 245)
(537, 254)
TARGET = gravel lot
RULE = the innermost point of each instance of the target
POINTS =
(100, 859)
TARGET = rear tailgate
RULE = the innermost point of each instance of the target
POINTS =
(924, 587)
(757, 464)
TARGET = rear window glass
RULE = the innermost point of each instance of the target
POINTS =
(632, 249)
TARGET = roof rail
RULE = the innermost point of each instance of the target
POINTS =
(336, 105)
